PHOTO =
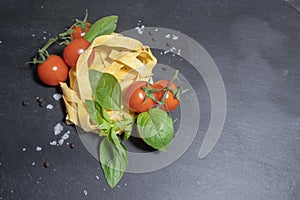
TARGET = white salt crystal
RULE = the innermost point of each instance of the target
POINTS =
(56, 96)
(168, 36)
(156, 29)
(33, 164)
(49, 106)
(61, 141)
(97, 177)
(0, 42)
(44, 38)
(65, 136)
(125, 184)
(174, 37)
(140, 29)
(104, 189)
(58, 129)
(85, 192)
(38, 148)
(23, 149)
(33, 35)
(53, 142)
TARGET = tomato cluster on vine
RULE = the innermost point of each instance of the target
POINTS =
(53, 69)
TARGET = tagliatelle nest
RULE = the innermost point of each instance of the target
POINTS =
(125, 58)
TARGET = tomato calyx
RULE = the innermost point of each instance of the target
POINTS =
(83, 24)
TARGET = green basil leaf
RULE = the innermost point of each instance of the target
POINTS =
(103, 26)
(113, 158)
(106, 90)
(156, 128)
(98, 115)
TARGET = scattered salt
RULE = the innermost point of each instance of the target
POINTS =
(125, 184)
(156, 29)
(23, 149)
(104, 189)
(33, 164)
(53, 143)
(49, 107)
(44, 38)
(0, 163)
(174, 37)
(0, 42)
(56, 96)
(58, 129)
(118, 186)
(173, 54)
(168, 36)
(140, 29)
(97, 177)
(44, 31)
(38, 148)
(33, 35)
(85, 192)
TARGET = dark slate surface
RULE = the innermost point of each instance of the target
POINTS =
(256, 45)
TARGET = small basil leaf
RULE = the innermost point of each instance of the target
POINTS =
(106, 90)
(156, 128)
(97, 114)
(113, 158)
(103, 26)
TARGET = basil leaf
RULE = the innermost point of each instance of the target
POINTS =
(106, 90)
(103, 26)
(113, 158)
(156, 128)
(98, 115)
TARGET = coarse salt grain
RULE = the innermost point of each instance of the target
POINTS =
(56, 96)
(33, 164)
(0, 42)
(156, 29)
(140, 29)
(85, 192)
(33, 35)
(61, 141)
(174, 37)
(65, 136)
(53, 143)
(44, 38)
(49, 106)
(97, 177)
(38, 148)
(58, 129)
(23, 149)
(168, 36)
(125, 184)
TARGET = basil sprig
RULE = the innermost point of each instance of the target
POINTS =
(103, 26)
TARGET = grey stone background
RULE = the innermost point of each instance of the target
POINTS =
(256, 46)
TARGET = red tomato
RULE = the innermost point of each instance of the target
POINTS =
(170, 100)
(53, 70)
(158, 95)
(73, 50)
(80, 32)
(135, 97)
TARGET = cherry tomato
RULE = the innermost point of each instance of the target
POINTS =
(135, 97)
(79, 32)
(170, 100)
(53, 70)
(73, 50)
